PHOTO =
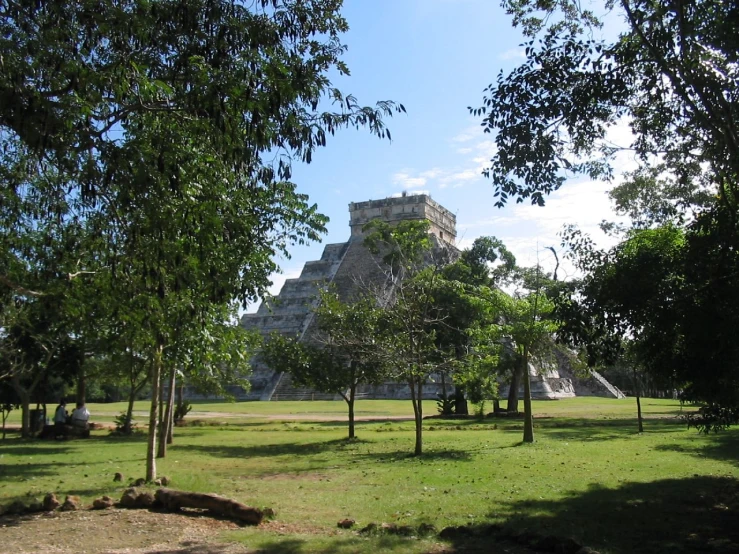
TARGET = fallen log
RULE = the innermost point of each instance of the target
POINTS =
(172, 500)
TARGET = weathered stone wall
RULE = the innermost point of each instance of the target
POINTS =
(407, 207)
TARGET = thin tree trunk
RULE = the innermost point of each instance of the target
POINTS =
(24, 396)
(418, 450)
(161, 399)
(151, 447)
(417, 398)
(127, 427)
(419, 428)
(166, 428)
(513, 391)
(638, 403)
(25, 415)
(181, 391)
(350, 402)
(81, 385)
(528, 421)
(169, 417)
(170, 429)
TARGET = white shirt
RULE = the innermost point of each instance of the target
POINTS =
(80, 414)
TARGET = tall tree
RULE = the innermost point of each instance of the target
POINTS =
(413, 260)
(669, 294)
(469, 322)
(671, 75)
(114, 100)
(529, 329)
(344, 352)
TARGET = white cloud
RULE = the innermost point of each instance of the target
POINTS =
(431, 173)
(492, 222)
(465, 175)
(513, 54)
(469, 133)
(404, 179)
(487, 148)
(465, 136)
(528, 230)
(464, 150)
(464, 243)
(459, 178)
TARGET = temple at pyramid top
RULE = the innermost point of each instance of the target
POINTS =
(404, 207)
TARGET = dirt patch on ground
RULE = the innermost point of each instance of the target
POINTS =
(115, 531)
(120, 531)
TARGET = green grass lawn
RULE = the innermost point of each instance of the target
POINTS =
(589, 475)
(244, 411)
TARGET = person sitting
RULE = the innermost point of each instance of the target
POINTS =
(60, 419)
(80, 416)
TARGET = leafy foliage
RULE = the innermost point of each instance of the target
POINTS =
(445, 404)
(123, 425)
(181, 409)
(670, 293)
(672, 76)
(345, 351)
(145, 153)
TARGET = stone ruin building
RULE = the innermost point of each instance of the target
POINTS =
(345, 266)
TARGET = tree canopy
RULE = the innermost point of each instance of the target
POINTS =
(149, 146)
(671, 75)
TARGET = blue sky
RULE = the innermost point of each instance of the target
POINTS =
(435, 57)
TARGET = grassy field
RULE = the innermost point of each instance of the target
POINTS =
(235, 412)
(589, 475)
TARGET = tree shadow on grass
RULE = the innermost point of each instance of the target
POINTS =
(14, 472)
(723, 446)
(200, 549)
(338, 545)
(266, 450)
(395, 456)
(591, 430)
(31, 449)
(27, 470)
(119, 439)
(670, 515)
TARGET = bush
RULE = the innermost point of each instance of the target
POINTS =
(445, 405)
(123, 426)
(712, 418)
(181, 410)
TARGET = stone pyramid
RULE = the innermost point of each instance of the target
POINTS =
(346, 266)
